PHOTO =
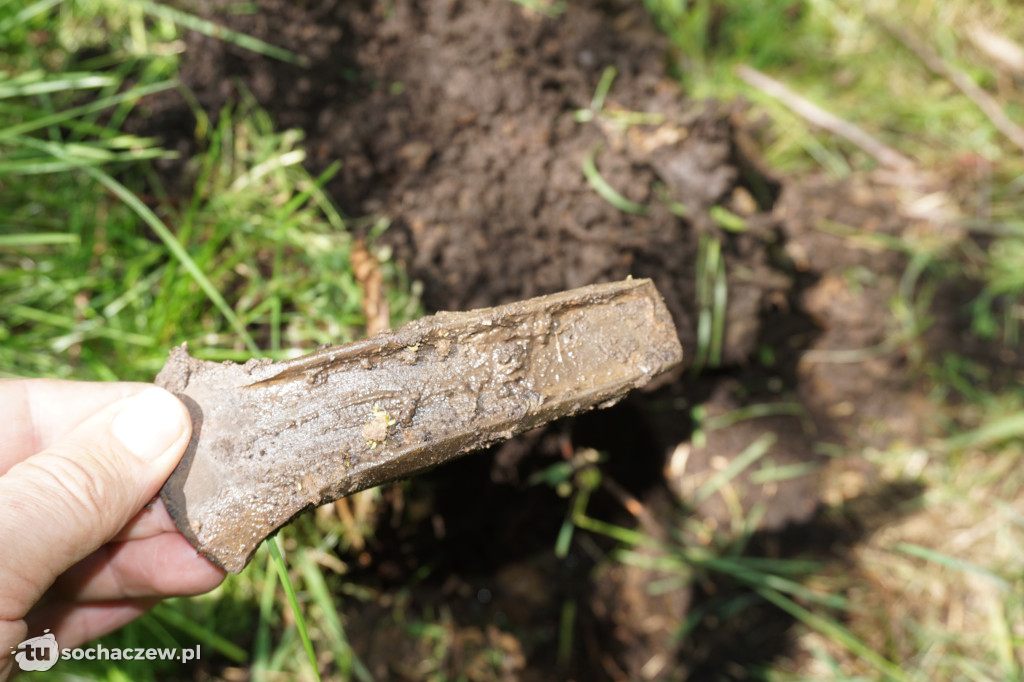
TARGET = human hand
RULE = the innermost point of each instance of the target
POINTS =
(82, 552)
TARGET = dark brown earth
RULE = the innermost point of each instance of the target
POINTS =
(458, 122)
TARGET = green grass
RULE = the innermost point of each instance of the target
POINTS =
(712, 294)
(835, 53)
(257, 228)
(117, 289)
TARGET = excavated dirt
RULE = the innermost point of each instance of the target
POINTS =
(459, 122)
(456, 121)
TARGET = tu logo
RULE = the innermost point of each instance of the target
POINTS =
(38, 653)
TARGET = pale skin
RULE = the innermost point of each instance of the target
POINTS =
(86, 548)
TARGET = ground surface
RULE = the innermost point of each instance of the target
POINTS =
(458, 121)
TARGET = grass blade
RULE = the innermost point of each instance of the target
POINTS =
(948, 561)
(784, 473)
(727, 220)
(603, 87)
(836, 633)
(566, 625)
(26, 14)
(606, 191)
(712, 296)
(549, 8)
(623, 535)
(38, 239)
(83, 328)
(579, 508)
(720, 296)
(756, 411)
(751, 454)
(57, 117)
(261, 644)
(37, 83)
(996, 431)
(293, 602)
(209, 28)
(201, 633)
(344, 657)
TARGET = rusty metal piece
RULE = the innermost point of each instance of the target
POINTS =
(271, 440)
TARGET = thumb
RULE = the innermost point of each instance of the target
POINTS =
(62, 504)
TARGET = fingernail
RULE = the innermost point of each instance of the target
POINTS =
(149, 423)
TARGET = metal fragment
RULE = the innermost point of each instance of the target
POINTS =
(273, 439)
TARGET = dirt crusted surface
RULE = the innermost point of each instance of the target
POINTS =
(460, 123)
(271, 440)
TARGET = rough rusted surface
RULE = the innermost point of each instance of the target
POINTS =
(273, 439)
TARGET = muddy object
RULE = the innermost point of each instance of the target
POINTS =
(273, 439)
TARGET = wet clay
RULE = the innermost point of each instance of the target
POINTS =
(273, 439)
